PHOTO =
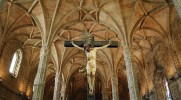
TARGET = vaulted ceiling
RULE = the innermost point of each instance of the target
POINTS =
(150, 26)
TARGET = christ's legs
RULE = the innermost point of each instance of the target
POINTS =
(91, 69)
(92, 84)
(89, 79)
(88, 70)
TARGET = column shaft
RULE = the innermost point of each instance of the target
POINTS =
(63, 90)
(39, 82)
(56, 94)
(177, 4)
(153, 96)
(177, 68)
(174, 87)
(131, 74)
(115, 92)
(105, 93)
(179, 83)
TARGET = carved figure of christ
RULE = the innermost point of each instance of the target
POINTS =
(91, 63)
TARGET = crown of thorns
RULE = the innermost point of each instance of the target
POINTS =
(86, 36)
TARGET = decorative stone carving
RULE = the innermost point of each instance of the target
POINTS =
(131, 75)
(115, 92)
(39, 82)
(63, 90)
(56, 94)
(175, 86)
(105, 93)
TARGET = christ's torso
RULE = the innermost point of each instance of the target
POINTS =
(91, 62)
(91, 56)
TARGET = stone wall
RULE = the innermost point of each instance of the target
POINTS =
(12, 88)
(8, 94)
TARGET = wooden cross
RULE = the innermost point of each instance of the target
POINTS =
(92, 44)
(114, 44)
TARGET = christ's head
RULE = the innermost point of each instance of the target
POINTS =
(87, 47)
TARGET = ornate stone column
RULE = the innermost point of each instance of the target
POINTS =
(39, 82)
(115, 92)
(56, 94)
(177, 4)
(63, 91)
(105, 93)
(150, 95)
(177, 75)
(175, 80)
(131, 74)
(153, 95)
(174, 87)
(179, 82)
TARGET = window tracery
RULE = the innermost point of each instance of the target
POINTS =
(15, 63)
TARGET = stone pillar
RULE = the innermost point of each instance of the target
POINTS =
(131, 74)
(153, 95)
(63, 91)
(175, 81)
(150, 95)
(161, 91)
(177, 4)
(39, 82)
(115, 92)
(56, 94)
(179, 83)
(175, 91)
(105, 93)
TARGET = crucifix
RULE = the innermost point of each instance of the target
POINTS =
(90, 47)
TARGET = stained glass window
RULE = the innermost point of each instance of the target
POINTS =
(15, 63)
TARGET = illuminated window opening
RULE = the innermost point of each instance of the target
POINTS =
(167, 90)
(15, 63)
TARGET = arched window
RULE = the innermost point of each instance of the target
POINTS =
(15, 63)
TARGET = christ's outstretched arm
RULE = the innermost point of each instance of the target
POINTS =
(104, 46)
(76, 46)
